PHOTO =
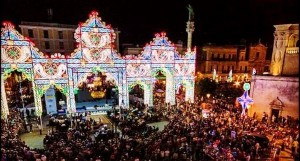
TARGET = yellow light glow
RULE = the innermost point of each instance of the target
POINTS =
(52, 82)
(83, 63)
(237, 83)
(207, 95)
(13, 66)
(10, 42)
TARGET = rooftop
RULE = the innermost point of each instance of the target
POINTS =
(45, 24)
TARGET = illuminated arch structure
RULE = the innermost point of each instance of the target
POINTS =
(95, 52)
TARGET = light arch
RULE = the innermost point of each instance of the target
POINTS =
(144, 86)
(96, 44)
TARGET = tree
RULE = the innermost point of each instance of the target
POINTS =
(205, 86)
(229, 90)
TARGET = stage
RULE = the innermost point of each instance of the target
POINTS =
(95, 107)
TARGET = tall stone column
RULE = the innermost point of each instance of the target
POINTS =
(190, 27)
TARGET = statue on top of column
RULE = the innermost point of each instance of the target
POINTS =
(191, 12)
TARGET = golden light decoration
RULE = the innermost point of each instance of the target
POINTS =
(82, 63)
(97, 81)
(13, 66)
(98, 94)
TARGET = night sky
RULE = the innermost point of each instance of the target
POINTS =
(216, 21)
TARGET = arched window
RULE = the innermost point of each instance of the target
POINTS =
(292, 40)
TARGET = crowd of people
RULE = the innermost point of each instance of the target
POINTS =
(187, 137)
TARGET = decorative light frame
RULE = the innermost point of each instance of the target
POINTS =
(95, 52)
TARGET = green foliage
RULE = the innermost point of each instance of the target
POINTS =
(205, 86)
(230, 90)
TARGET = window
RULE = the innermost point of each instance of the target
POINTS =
(223, 56)
(257, 55)
(217, 68)
(233, 56)
(60, 35)
(47, 45)
(218, 56)
(246, 69)
(228, 68)
(61, 45)
(232, 67)
(212, 56)
(46, 35)
(242, 58)
(30, 33)
(241, 68)
(229, 57)
(211, 68)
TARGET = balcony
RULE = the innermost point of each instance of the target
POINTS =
(292, 50)
(223, 59)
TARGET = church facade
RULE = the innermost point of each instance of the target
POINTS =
(278, 95)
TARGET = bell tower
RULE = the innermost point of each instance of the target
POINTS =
(285, 55)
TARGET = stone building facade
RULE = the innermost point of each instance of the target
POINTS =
(50, 37)
(278, 94)
(266, 89)
(285, 54)
(53, 38)
(240, 59)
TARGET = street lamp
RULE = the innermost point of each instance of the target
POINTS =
(237, 83)
(207, 95)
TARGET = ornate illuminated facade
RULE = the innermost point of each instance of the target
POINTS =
(285, 54)
(95, 53)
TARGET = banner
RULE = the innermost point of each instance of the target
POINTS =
(50, 100)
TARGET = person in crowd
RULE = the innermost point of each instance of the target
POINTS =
(187, 136)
